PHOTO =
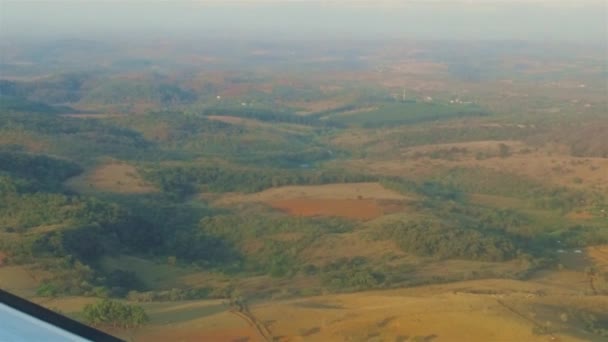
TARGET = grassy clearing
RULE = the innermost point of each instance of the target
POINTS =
(22, 280)
(153, 275)
(599, 255)
(111, 177)
(328, 191)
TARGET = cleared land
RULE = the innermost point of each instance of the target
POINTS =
(350, 208)
(362, 201)
(111, 177)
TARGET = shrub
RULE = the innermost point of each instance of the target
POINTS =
(116, 314)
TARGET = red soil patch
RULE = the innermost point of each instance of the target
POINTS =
(583, 215)
(362, 209)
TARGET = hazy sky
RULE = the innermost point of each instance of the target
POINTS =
(434, 19)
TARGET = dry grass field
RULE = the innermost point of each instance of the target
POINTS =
(329, 191)
(599, 256)
(481, 310)
(555, 169)
(309, 107)
(111, 177)
(349, 245)
(22, 280)
(31, 143)
(542, 166)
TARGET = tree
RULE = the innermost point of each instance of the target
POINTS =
(116, 314)
(504, 150)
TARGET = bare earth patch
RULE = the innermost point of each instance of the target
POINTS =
(583, 215)
(111, 177)
(363, 209)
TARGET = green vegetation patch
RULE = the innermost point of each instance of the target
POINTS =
(116, 314)
(187, 179)
(281, 241)
(391, 113)
(442, 240)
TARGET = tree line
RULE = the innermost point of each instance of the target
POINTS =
(181, 181)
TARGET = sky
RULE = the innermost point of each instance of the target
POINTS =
(555, 20)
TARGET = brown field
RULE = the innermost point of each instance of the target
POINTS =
(363, 209)
(111, 177)
(362, 201)
(580, 215)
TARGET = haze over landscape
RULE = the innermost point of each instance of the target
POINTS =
(269, 170)
(447, 19)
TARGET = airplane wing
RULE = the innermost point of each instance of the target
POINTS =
(24, 321)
